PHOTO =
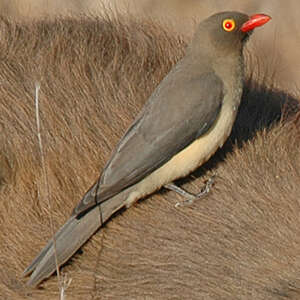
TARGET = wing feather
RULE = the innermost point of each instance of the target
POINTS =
(177, 113)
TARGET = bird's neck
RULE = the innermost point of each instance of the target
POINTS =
(231, 67)
(231, 64)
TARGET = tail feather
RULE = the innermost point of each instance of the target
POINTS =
(36, 261)
(49, 245)
(68, 240)
(70, 237)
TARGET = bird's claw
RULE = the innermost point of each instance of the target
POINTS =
(204, 191)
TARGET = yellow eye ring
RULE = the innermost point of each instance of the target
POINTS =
(228, 25)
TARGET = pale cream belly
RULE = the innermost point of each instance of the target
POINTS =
(188, 159)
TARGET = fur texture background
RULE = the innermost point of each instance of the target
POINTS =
(240, 242)
(277, 45)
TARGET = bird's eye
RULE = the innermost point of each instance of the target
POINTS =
(228, 25)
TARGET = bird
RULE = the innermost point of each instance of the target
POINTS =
(187, 118)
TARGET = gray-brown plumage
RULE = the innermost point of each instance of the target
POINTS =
(187, 118)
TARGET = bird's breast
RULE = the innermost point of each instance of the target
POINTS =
(199, 151)
(191, 157)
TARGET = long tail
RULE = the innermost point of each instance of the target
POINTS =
(69, 238)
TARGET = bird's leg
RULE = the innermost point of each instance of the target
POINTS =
(190, 197)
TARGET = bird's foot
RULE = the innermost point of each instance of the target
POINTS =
(190, 197)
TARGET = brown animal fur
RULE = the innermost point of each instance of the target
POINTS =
(277, 44)
(240, 242)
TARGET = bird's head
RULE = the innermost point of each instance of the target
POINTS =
(226, 31)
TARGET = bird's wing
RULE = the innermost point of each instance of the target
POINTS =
(175, 115)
